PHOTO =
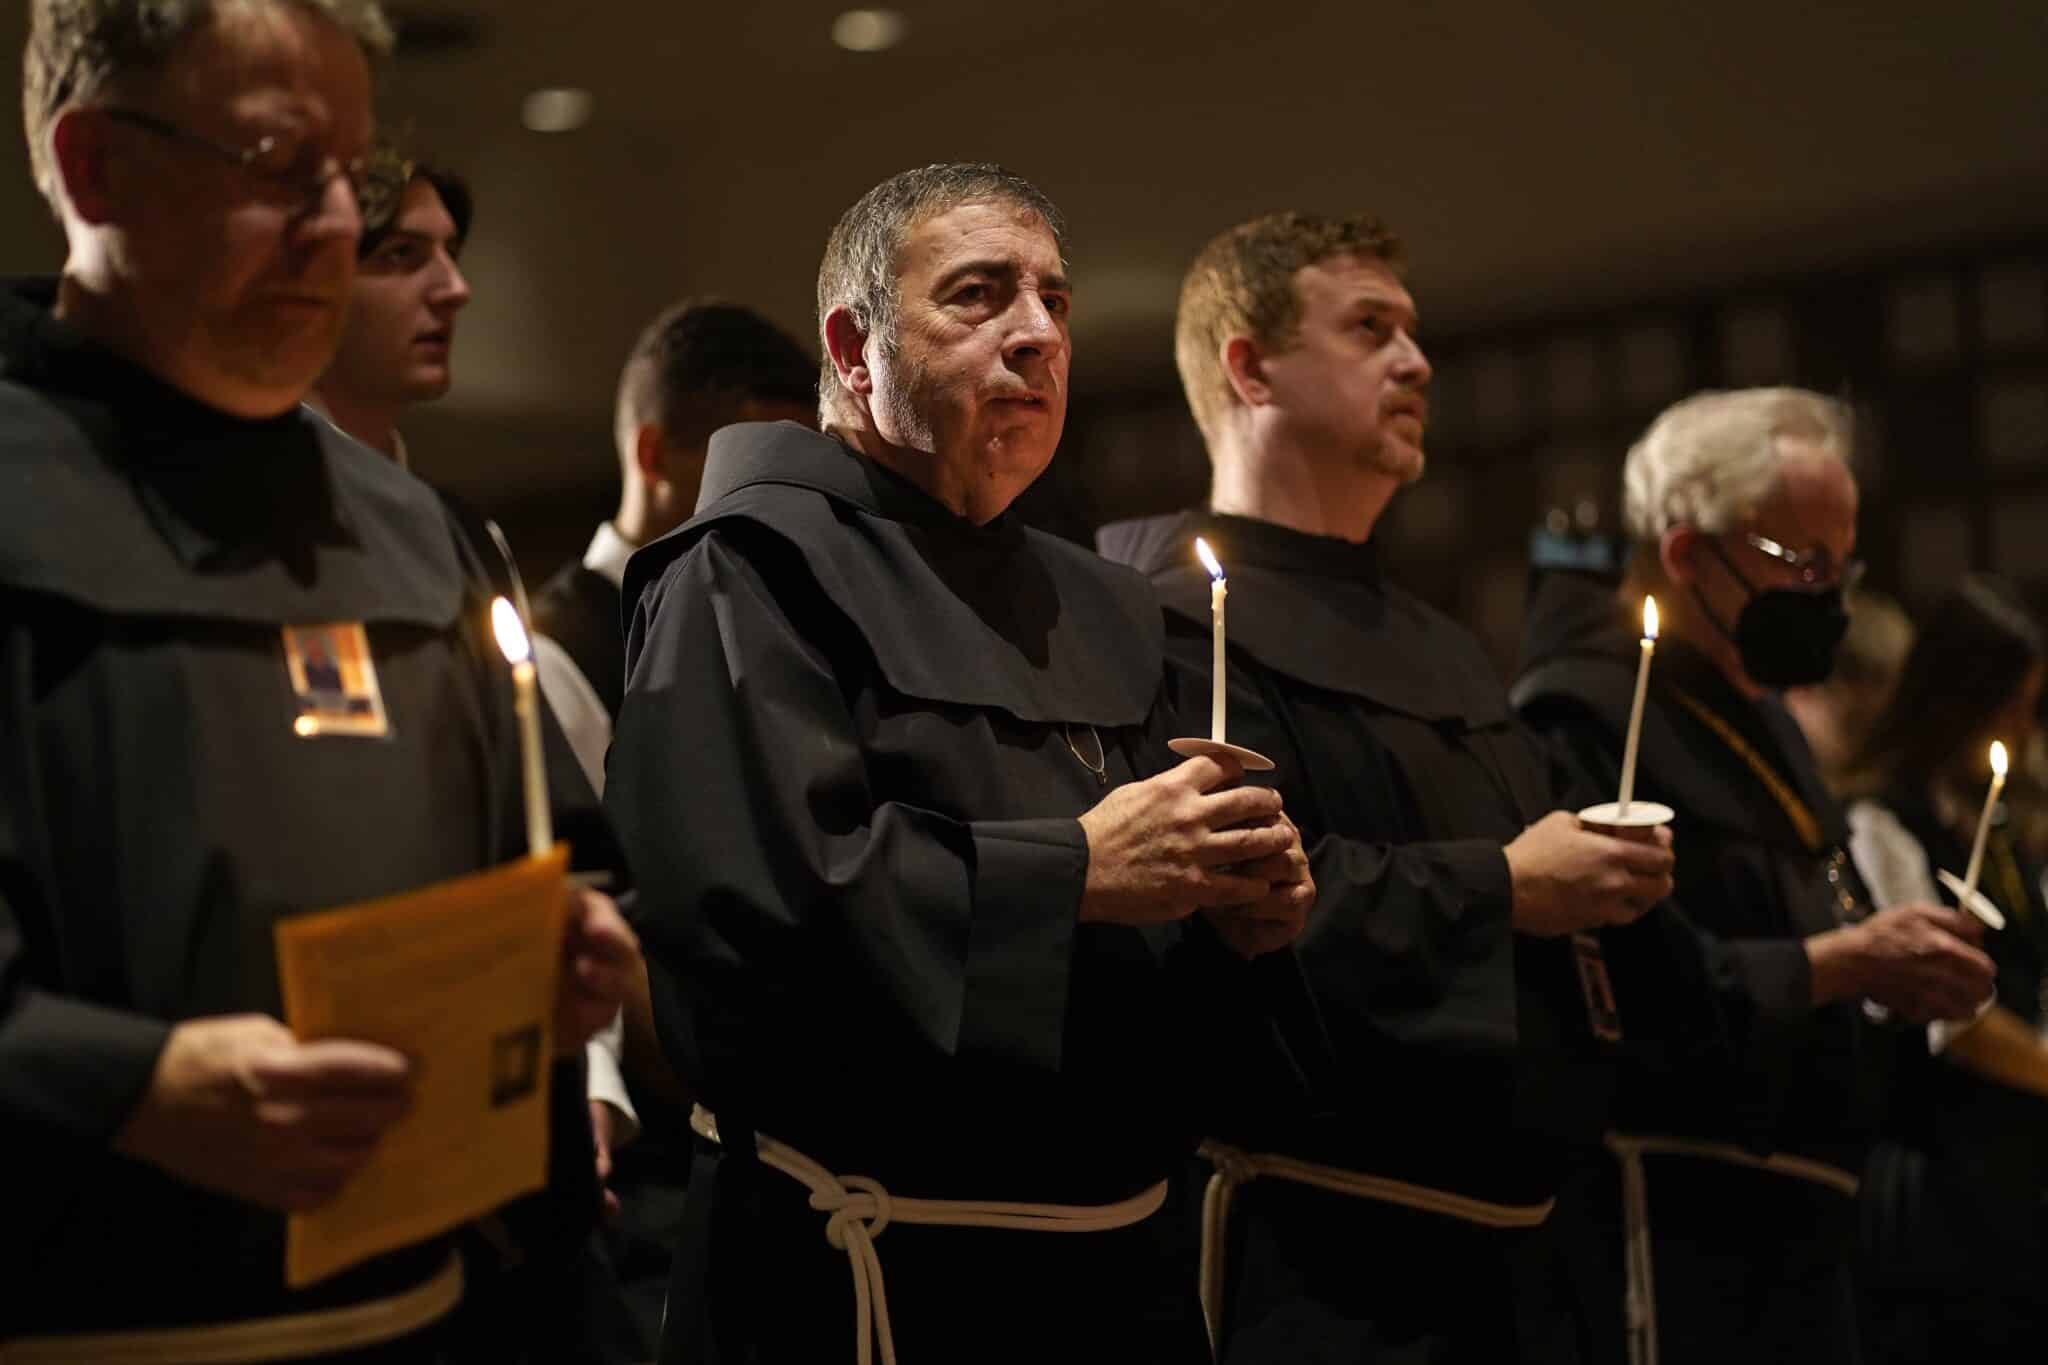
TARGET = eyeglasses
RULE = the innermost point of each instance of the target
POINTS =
(1814, 567)
(297, 171)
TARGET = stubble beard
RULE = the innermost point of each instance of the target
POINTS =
(1396, 459)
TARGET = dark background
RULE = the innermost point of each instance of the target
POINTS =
(1607, 205)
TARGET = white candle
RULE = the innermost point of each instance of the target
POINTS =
(1984, 820)
(518, 649)
(1218, 590)
(1635, 711)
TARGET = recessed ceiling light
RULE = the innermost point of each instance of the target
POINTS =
(560, 110)
(869, 30)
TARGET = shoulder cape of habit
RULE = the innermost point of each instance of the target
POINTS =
(998, 616)
(1689, 766)
(1318, 610)
(122, 495)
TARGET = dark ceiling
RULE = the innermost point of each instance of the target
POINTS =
(1538, 157)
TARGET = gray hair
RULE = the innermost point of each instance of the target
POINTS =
(77, 49)
(862, 257)
(1708, 460)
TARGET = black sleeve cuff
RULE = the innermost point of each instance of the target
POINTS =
(1028, 877)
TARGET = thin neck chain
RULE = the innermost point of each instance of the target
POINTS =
(1100, 767)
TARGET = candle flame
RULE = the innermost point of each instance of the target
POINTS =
(1998, 758)
(1649, 618)
(1208, 558)
(511, 631)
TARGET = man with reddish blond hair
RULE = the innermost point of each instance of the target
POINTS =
(1408, 1221)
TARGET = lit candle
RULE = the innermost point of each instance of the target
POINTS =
(1635, 711)
(512, 639)
(1218, 590)
(1984, 821)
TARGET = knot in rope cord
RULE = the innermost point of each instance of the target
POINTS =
(857, 1208)
(859, 1202)
(1237, 1167)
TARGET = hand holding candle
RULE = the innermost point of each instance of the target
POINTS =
(518, 649)
(1635, 712)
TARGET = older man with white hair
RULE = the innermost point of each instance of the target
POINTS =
(1742, 509)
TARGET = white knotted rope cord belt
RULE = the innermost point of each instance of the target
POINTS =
(858, 1209)
(1235, 1167)
(1639, 1302)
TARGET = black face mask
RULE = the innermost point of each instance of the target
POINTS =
(1787, 636)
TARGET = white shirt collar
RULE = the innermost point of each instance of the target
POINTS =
(608, 554)
(319, 409)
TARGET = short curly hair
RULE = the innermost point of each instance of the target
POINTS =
(1242, 284)
(77, 49)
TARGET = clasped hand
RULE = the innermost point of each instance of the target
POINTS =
(1190, 839)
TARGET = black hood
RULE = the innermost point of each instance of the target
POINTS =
(1571, 613)
(1150, 544)
(997, 615)
(195, 512)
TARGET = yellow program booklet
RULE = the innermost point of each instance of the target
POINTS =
(460, 977)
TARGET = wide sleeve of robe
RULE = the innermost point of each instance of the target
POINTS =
(67, 1066)
(807, 916)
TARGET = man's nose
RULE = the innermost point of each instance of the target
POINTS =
(450, 291)
(331, 214)
(1410, 364)
(1033, 330)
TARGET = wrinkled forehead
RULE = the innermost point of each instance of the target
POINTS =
(268, 60)
(991, 231)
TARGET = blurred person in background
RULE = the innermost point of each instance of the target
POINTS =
(1956, 1196)
(398, 348)
(1742, 512)
(698, 366)
(1836, 715)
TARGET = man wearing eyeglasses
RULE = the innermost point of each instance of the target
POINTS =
(181, 547)
(1742, 508)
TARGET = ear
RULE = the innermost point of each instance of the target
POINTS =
(78, 153)
(846, 343)
(1678, 550)
(1245, 368)
(650, 453)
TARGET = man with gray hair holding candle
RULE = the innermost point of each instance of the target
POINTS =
(952, 949)
(1742, 510)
